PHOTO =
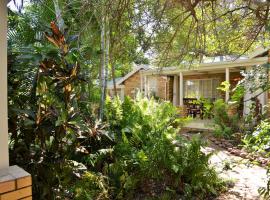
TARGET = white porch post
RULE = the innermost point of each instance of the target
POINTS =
(247, 98)
(122, 93)
(227, 96)
(4, 160)
(175, 90)
(181, 89)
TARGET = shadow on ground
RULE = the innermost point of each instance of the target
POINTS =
(246, 177)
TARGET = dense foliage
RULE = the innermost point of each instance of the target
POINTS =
(259, 140)
(47, 119)
(258, 143)
(55, 138)
(225, 125)
(150, 155)
(54, 91)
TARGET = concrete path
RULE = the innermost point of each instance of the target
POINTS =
(246, 177)
(200, 124)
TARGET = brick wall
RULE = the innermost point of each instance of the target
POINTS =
(170, 89)
(162, 87)
(132, 84)
(15, 183)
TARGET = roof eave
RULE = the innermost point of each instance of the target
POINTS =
(210, 66)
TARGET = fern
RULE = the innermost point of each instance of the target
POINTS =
(148, 148)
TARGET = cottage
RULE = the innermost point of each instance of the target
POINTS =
(180, 85)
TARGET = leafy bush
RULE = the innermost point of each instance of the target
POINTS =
(238, 93)
(225, 125)
(71, 156)
(207, 107)
(150, 156)
(49, 124)
(91, 186)
(259, 140)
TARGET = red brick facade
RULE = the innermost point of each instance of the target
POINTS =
(132, 84)
(15, 183)
(164, 83)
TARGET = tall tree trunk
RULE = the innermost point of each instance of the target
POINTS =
(107, 52)
(112, 62)
(102, 70)
(113, 78)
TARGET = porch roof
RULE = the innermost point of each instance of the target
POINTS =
(208, 66)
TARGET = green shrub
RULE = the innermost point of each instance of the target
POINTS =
(238, 93)
(92, 187)
(225, 125)
(259, 140)
(50, 125)
(207, 107)
(149, 153)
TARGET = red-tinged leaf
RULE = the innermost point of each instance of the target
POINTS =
(56, 30)
(52, 40)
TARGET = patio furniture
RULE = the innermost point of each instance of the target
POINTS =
(194, 108)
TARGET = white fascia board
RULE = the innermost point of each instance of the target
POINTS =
(209, 66)
(129, 74)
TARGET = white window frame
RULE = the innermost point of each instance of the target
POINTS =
(152, 85)
(200, 86)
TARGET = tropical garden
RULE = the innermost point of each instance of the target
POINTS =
(78, 143)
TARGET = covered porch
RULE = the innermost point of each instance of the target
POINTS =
(192, 89)
(186, 86)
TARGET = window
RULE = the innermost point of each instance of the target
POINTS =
(152, 85)
(191, 88)
(206, 88)
(216, 83)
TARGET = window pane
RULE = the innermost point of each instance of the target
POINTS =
(191, 88)
(206, 88)
(216, 83)
(152, 85)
